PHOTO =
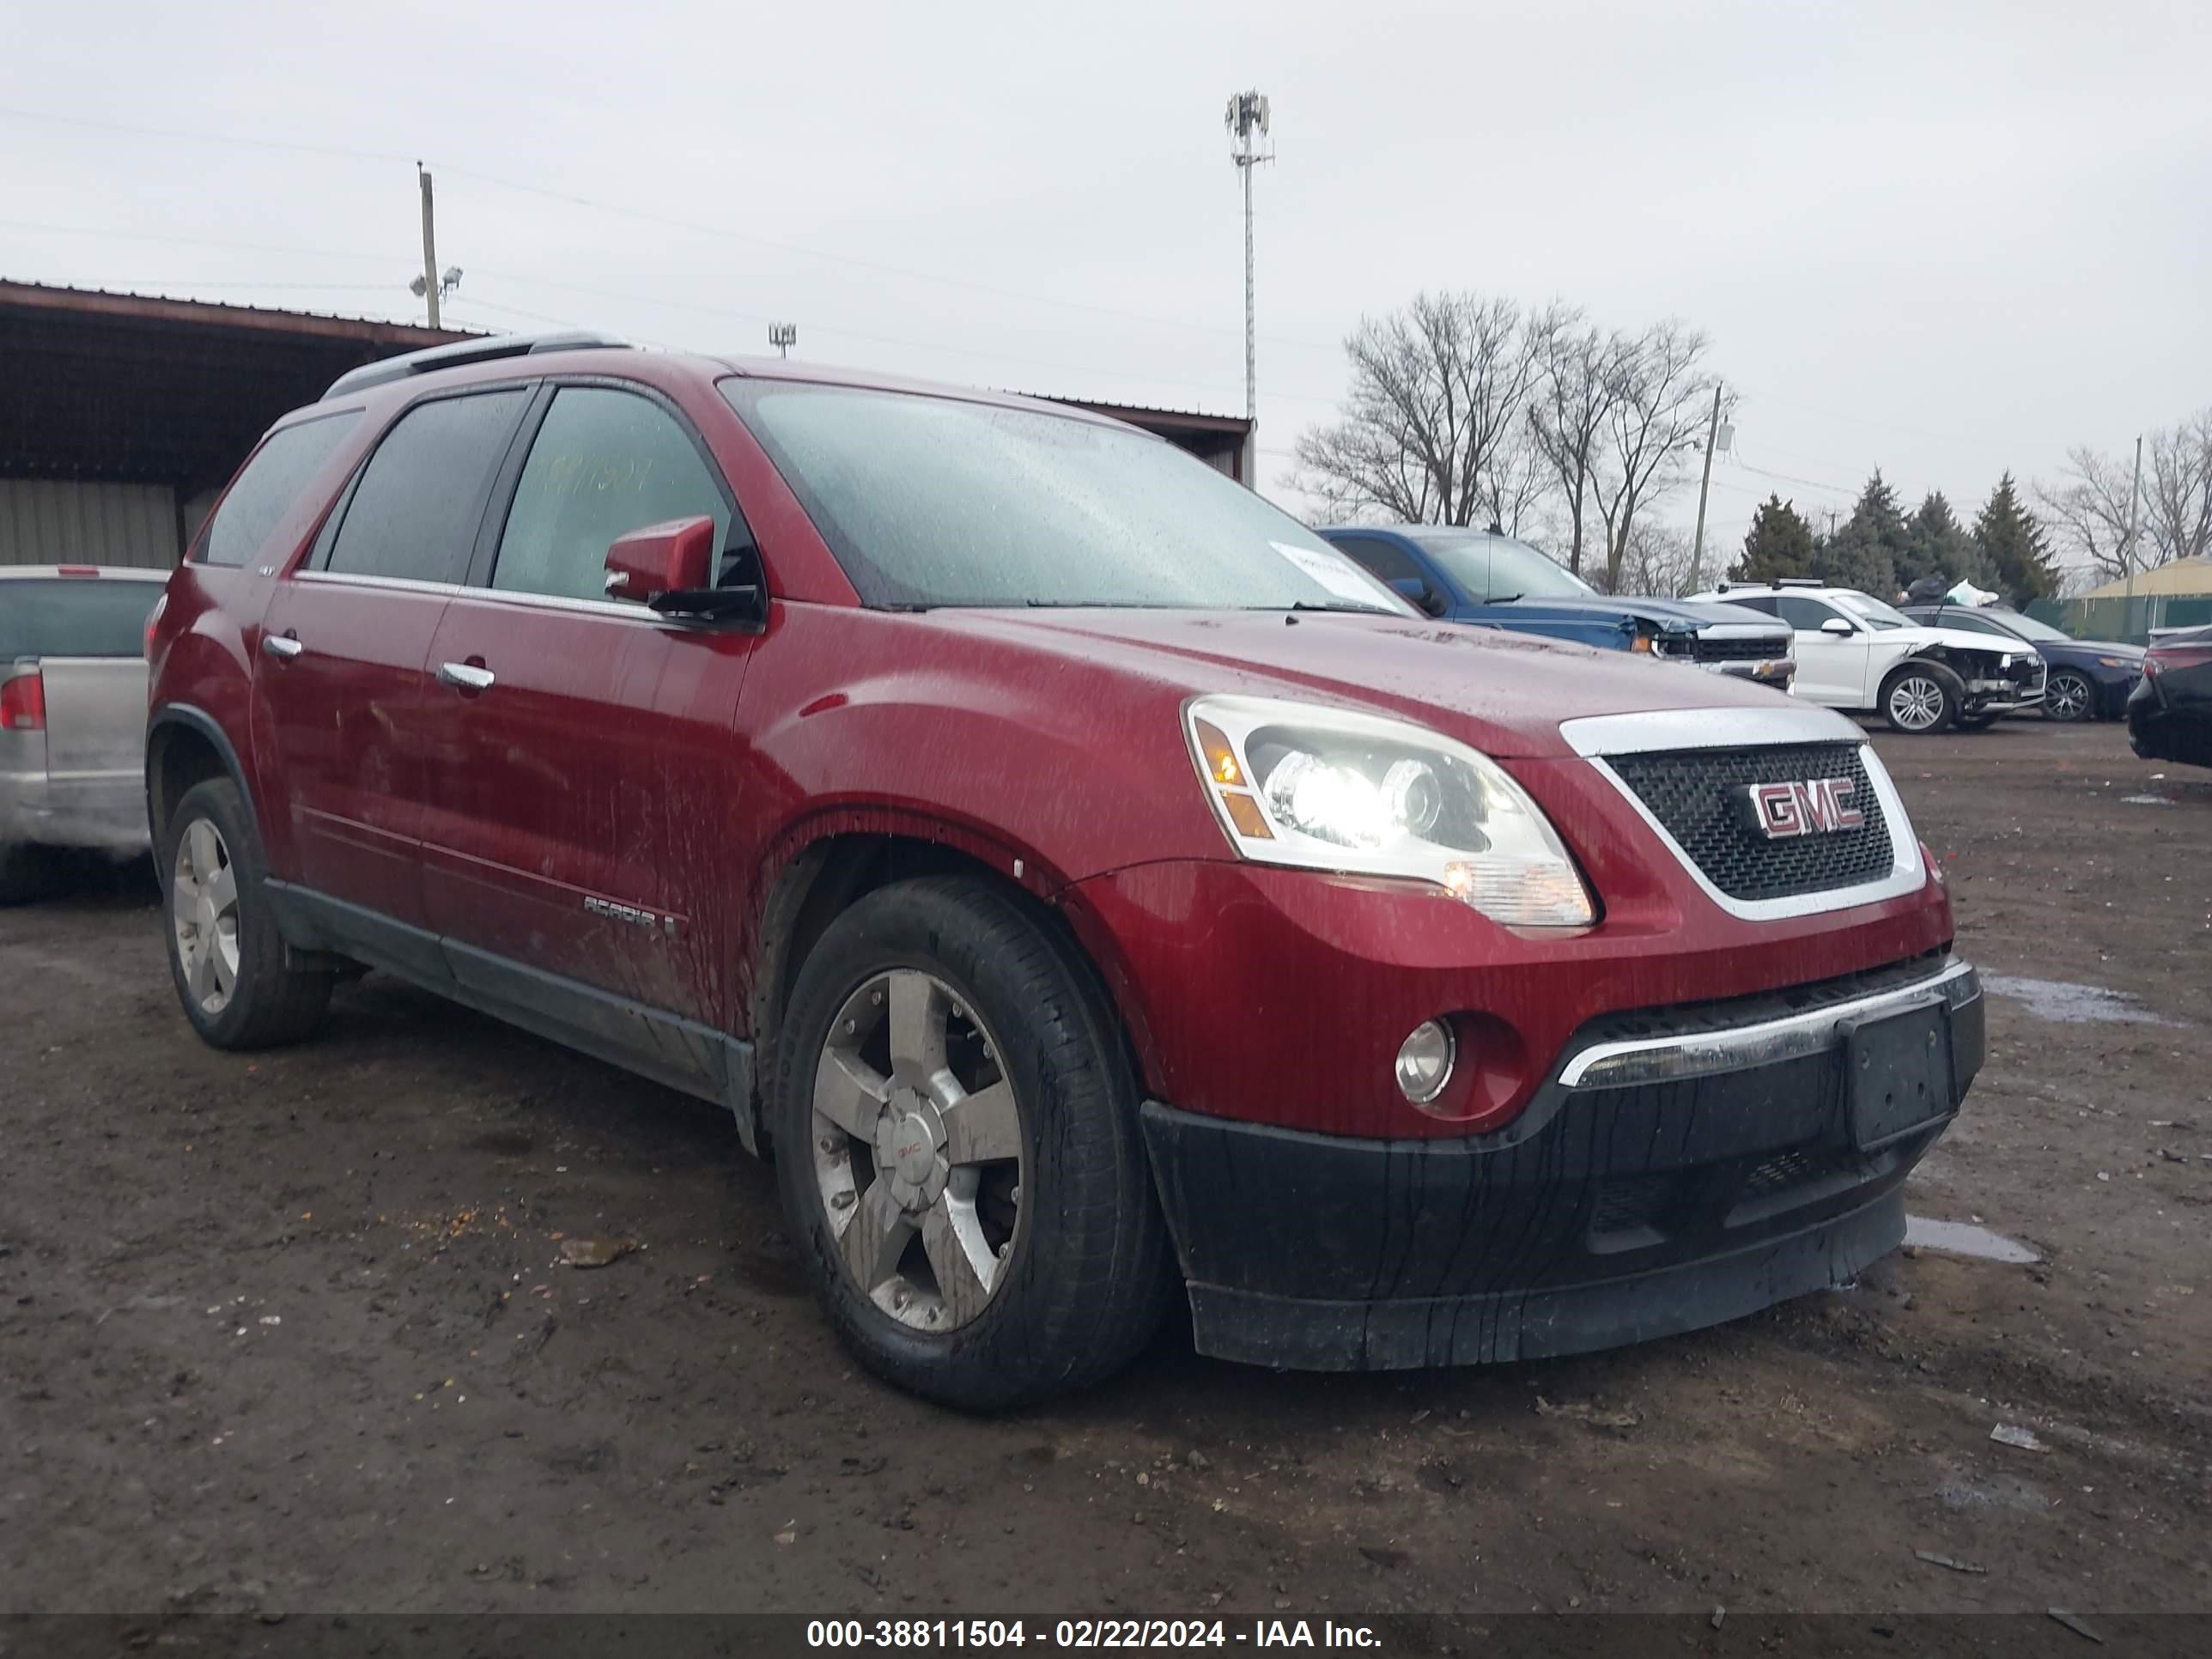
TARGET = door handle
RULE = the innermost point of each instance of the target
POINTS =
(283, 647)
(467, 677)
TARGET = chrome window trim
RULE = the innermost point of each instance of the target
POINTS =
(612, 608)
(1659, 730)
(352, 579)
(1641, 1060)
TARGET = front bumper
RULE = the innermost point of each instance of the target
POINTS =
(1780, 672)
(1679, 1169)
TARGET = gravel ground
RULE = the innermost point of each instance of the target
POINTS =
(286, 1332)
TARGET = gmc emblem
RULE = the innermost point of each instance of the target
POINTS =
(1782, 811)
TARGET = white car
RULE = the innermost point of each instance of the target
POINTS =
(1856, 653)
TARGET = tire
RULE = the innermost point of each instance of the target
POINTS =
(2069, 697)
(1977, 722)
(1921, 698)
(27, 872)
(210, 852)
(1073, 1246)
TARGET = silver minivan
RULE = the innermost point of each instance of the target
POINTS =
(72, 715)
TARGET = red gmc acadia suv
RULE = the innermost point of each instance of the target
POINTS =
(1085, 881)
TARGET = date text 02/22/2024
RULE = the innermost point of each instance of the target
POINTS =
(1083, 1633)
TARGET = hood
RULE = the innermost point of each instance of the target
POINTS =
(1504, 693)
(1665, 615)
(1956, 639)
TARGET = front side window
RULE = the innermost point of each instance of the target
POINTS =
(1382, 559)
(603, 462)
(931, 500)
(251, 509)
(414, 512)
(1497, 570)
(75, 617)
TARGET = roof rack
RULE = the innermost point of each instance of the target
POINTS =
(486, 350)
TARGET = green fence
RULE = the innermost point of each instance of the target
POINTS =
(2128, 620)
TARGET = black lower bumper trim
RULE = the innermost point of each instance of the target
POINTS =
(1259, 1329)
(1602, 1215)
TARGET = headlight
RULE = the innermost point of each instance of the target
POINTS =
(1323, 788)
(2114, 662)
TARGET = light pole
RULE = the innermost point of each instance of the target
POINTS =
(1247, 121)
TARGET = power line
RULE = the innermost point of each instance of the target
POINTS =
(644, 215)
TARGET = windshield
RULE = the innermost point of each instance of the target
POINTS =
(2028, 628)
(931, 500)
(1496, 569)
(1870, 609)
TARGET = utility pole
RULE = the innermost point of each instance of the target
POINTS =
(1697, 547)
(1247, 115)
(2128, 554)
(429, 245)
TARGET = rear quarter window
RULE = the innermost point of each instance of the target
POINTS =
(75, 617)
(267, 489)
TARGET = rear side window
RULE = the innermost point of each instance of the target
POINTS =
(271, 483)
(603, 464)
(1802, 614)
(414, 511)
(75, 617)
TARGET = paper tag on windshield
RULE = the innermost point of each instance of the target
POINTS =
(1333, 572)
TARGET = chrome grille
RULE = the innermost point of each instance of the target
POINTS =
(1692, 792)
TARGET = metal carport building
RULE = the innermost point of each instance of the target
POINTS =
(123, 416)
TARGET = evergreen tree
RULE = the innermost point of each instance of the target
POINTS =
(1779, 543)
(2011, 542)
(1936, 544)
(1866, 552)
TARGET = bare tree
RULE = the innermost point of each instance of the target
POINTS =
(2089, 509)
(1658, 562)
(2089, 504)
(1518, 483)
(1437, 397)
(1567, 417)
(2177, 520)
(1650, 431)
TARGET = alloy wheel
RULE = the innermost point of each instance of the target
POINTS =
(917, 1149)
(2067, 698)
(203, 911)
(1916, 702)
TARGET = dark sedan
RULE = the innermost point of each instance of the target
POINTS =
(2090, 679)
(2170, 715)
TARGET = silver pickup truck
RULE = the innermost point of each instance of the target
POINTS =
(72, 715)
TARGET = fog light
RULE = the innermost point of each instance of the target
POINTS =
(1424, 1062)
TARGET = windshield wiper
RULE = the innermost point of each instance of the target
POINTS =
(1352, 606)
(1504, 599)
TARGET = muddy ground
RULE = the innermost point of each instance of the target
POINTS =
(286, 1332)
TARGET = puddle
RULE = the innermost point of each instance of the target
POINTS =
(2071, 1004)
(2007, 1493)
(1958, 1238)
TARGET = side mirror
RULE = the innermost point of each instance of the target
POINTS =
(1837, 628)
(674, 558)
(1422, 596)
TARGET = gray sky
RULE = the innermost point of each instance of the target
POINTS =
(1945, 239)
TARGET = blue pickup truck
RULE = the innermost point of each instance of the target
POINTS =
(1492, 580)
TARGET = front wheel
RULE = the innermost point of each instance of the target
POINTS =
(954, 1119)
(1921, 698)
(238, 986)
(2069, 697)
